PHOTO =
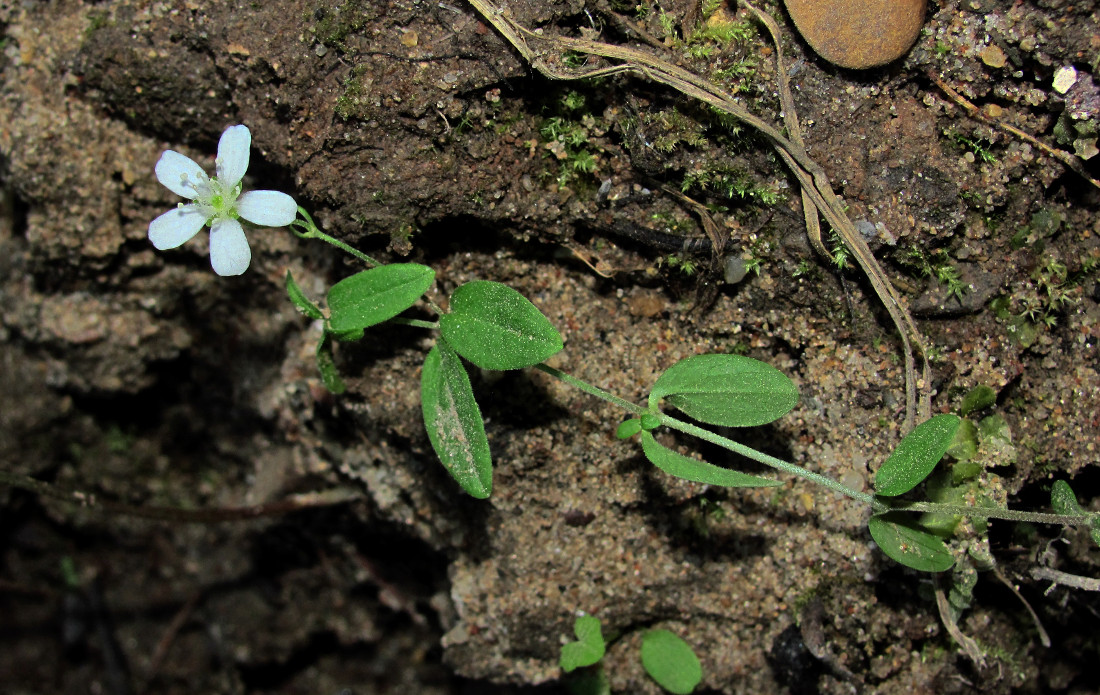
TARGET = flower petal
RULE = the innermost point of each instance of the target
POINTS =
(267, 208)
(232, 159)
(179, 173)
(177, 226)
(229, 252)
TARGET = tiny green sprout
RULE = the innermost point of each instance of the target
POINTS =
(589, 647)
(650, 422)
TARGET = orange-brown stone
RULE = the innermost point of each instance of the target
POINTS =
(858, 33)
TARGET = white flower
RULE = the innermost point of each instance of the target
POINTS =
(218, 202)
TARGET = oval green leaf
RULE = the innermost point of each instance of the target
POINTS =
(454, 423)
(376, 295)
(902, 540)
(698, 471)
(729, 390)
(1063, 500)
(671, 662)
(916, 455)
(300, 300)
(496, 327)
(589, 647)
(979, 397)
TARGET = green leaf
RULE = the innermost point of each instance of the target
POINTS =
(979, 397)
(671, 662)
(376, 295)
(729, 390)
(629, 428)
(495, 327)
(589, 647)
(698, 471)
(916, 455)
(1063, 500)
(327, 366)
(650, 422)
(902, 540)
(300, 299)
(454, 422)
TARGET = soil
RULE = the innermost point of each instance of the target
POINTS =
(413, 131)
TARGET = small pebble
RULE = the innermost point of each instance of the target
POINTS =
(1064, 78)
(993, 56)
(736, 269)
(858, 34)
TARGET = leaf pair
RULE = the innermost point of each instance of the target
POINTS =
(899, 535)
(726, 390)
(494, 327)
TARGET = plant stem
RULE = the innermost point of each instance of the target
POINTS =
(778, 464)
(706, 435)
(312, 231)
(993, 513)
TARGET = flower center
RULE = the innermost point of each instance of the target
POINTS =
(221, 199)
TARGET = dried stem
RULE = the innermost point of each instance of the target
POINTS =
(544, 53)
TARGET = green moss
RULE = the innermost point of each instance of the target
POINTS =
(333, 25)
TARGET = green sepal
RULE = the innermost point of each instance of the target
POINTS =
(727, 390)
(697, 471)
(916, 456)
(300, 300)
(326, 364)
(453, 421)
(376, 295)
(629, 428)
(496, 327)
(904, 541)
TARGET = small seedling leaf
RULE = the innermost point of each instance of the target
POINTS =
(902, 540)
(327, 366)
(454, 422)
(650, 422)
(671, 662)
(979, 397)
(496, 327)
(376, 295)
(589, 647)
(1063, 500)
(728, 390)
(300, 300)
(965, 444)
(697, 471)
(629, 428)
(916, 455)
